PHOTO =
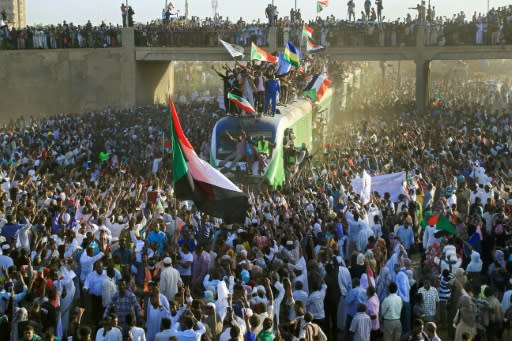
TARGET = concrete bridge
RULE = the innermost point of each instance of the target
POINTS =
(422, 55)
(45, 82)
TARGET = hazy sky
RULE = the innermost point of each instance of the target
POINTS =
(79, 11)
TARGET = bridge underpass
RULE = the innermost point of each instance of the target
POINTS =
(88, 79)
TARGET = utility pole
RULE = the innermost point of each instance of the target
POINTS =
(126, 16)
(186, 9)
(295, 5)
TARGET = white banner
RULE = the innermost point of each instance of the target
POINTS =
(392, 183)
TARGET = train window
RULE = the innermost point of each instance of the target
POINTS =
(225, 146)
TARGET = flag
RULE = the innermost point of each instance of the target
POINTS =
(307, 31)
(437, 99)
(194, 179)
(366, 188)
(321, 4)
(241, 102)
(311, 47)
(257, 53)
(317, 87)
(283, 67)
(234, 50)
(441, 223)
(292, 55)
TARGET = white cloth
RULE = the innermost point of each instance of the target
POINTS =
(87, 264)
(189, 334)
(138, 334)
(94, 282)
(112, 335)
(169, 281)
(108, 290)
(154, 319)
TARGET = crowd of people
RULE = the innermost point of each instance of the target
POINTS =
(61, 36)
(96, 247)
(370, 28)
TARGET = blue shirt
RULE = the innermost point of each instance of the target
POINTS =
(406, 236)
(354, 298)
(9, 230)
(404, 287)
(273, 87)
(157, 237)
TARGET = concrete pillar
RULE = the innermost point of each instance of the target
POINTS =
(272, 39)
(422, 85)
(129, 68)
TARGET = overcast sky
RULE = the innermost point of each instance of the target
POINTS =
(79, 11)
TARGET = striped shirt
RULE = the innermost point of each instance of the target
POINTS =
(361, 326)
(445, 292)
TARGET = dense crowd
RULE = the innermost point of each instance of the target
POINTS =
(61, 36)
(370, 28)
(96, 247)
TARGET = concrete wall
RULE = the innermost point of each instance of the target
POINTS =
(50, 82)
(47, 82)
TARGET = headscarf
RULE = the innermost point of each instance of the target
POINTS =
(476, 263)
(383, 282)
(500, 258)
(364, 281)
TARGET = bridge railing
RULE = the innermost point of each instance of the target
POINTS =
(198, 37)
(339, 35)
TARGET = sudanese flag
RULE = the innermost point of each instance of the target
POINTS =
(196, 180)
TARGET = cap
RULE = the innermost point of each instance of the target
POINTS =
(167, 261)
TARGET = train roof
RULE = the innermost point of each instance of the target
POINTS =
(289, 114)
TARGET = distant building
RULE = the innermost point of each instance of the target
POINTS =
(15, 12)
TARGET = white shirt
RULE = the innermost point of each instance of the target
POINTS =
(169, 281)
(300, 295)
(315, 303)
(189, 334)
(164, 335)
(22, 237)
(429, 236)
(87, 264)
(108, 289)
(94, 282)
(185, 258)
(112, 335)
(138, 334)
